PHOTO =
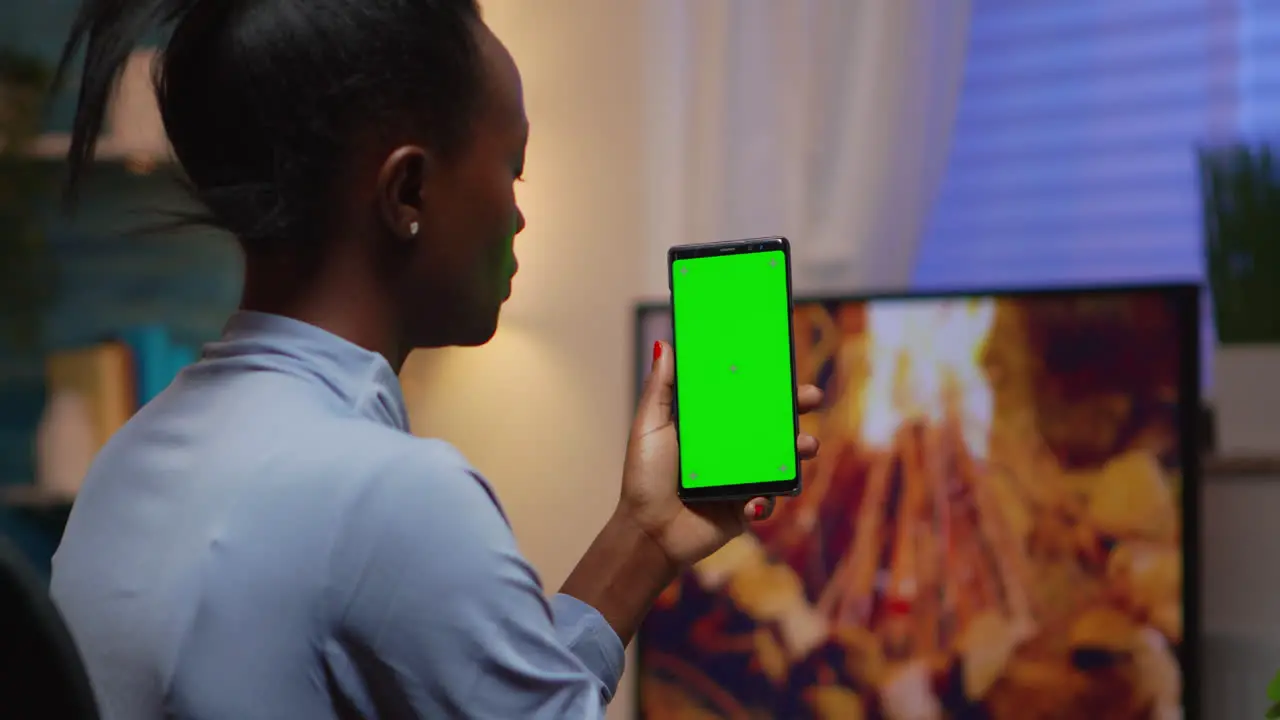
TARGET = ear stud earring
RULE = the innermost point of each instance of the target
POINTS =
(413, 228)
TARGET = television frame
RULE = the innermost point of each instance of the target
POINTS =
(1187, 296)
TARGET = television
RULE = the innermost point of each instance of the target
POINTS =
(1001, 523)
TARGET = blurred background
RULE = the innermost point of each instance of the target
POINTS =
(900, 144)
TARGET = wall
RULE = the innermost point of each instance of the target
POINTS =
(1240, 592)
(543, 410)
(1238, 528)
(1244, 395)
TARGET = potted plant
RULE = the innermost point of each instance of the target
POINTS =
(1241, 192)
(1242, 242)
(26, 274)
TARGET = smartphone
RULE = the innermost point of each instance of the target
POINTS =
(735, 393)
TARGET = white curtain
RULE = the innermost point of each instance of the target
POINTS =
(824, 120)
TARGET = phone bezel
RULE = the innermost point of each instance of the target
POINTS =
(736, 247)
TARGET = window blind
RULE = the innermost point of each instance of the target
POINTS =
(1073, 153)
(1260, 70)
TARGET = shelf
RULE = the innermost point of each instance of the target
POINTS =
(33, 497)
(54, 146)
(1240, 466)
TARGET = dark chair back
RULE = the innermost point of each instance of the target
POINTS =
(41, 674)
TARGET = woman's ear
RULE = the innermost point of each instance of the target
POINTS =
(401, 188)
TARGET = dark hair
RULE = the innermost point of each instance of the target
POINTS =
(263, 100)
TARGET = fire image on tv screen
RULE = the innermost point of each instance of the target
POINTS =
(993, 528)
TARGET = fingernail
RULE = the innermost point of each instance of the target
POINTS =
(657, 351)
(759, 512)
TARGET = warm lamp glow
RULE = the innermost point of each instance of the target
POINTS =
(548, 249)
(524, 413)
(501, 403)
(529, 284)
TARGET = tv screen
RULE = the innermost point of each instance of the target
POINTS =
(1000, 524)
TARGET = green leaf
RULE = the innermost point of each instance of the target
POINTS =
(1274, 712)
(1273, 689)
(1240, 189)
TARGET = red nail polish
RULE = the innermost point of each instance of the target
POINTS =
(657, 350)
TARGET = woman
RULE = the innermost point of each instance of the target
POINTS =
(266, 539)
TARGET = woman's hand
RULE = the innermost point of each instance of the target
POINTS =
(685, 533)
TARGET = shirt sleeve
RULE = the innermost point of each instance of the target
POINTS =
(430, 585)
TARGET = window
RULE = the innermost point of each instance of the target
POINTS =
(1073, 155)
(1260, 70)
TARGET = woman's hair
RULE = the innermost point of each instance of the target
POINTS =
(264, 100)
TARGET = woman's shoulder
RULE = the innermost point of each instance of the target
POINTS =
(391, 477)
(421, 510)
(370, 453)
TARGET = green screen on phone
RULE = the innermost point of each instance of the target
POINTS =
(734, 394)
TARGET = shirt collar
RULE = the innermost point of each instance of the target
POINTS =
(361, 378)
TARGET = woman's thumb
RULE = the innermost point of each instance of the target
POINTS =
(655, 402)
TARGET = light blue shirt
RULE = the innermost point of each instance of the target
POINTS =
(266, 539)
